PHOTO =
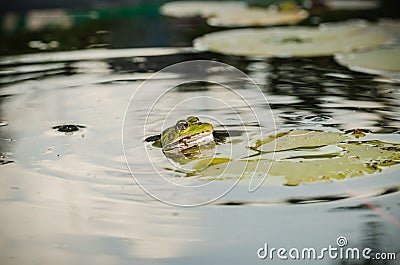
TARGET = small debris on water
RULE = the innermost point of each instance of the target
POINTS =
(68, 128)
(5, 162)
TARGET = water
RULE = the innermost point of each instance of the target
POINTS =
(68, 197)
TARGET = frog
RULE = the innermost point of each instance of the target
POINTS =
(188, 138)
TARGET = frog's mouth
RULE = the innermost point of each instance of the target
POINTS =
(186, 142)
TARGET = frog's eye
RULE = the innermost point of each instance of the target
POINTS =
(192, 119)
(182, 125)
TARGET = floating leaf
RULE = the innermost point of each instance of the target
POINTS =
(384, 61)
(199, 8)
(256, 17)
(298, 138)
(324, 40)
(209, 162)
(352, 4)
(308, 156)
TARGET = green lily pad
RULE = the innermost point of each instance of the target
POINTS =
(256, 17)
(298, 139)
(308, 156)
(384, 61)
(233, 13)
(182, 9)
(352, 4)
(325, 40)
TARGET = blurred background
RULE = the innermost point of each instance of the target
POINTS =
(34, 26)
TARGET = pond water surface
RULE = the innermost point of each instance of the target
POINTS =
(68, 197)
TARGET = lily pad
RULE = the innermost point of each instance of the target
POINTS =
(309, 157)
(256, 17)
(296, 139)
(391, 27)
(325, 40)
(182, 9)
(384, 61)
(352, 4)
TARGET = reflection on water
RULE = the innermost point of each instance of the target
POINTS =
(344, 98)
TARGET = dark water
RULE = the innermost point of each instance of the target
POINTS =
(68, 196)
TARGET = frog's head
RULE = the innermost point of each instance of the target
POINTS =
(186, 134)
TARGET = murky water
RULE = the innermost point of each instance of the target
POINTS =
(68, 197)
